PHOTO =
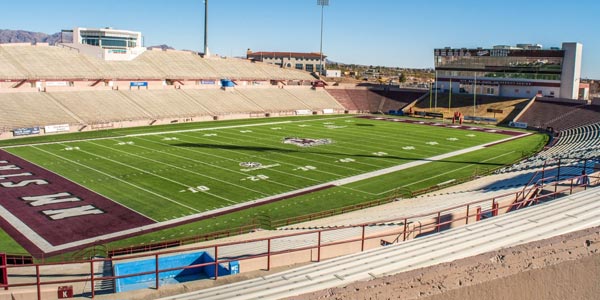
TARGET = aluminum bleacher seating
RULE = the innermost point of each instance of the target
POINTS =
(572, 146)
(341, 95)
(49, 62)
(9, 69)
(96, 107)
(546, 113)
(220, 102)
(273, 100)
(529, 224)
(31, 109)
(315, 99)
(166, 103)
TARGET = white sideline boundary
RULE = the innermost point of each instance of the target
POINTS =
(47, 247)
(176, 131)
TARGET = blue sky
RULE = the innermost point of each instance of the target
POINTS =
(398, 33)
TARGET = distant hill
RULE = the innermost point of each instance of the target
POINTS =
(22, 36)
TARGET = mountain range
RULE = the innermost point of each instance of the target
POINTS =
(22, 36)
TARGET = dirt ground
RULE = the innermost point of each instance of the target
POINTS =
(562, 267)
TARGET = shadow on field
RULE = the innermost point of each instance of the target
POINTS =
(311, 150)
(233, 147)
(363, 124)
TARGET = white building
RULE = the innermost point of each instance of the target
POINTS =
(108, 43)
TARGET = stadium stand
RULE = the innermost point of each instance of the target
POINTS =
(397, 99)
(47, 62)
(510, 107)
(9, 68)
(341, 95)
(26, 109)
(31, 109)
(559, 114)
(533, 223)
(374, 99)
(166, 103)
(95, 107)
(180, 64)
(220, 102)
(314, 98)
(42, 62)
(577, 144)
(274, 100)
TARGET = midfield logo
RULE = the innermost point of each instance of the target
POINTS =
(250, 164)
(304, 142)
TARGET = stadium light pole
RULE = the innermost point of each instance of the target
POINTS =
(436, 89)
(205, 27)
(474, 93)
(322, 3)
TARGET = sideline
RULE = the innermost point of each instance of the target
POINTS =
(176, 131)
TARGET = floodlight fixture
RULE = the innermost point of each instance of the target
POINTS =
(322, 3)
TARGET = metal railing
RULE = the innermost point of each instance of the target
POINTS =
(421, 224)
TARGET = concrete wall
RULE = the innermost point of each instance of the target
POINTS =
(571, 71)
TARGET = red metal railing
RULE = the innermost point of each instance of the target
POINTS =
(422, 223)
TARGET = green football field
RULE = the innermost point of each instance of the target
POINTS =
(187, 170)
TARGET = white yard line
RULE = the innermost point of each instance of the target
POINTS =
(118, 179)
(241, 153)
(170, 165)
(297, 158)
(441, 174)
(267, 143)
(341, 182)
(205, 163)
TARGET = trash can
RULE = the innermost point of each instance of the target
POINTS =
(234, 267)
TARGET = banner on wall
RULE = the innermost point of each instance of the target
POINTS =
(56, 128)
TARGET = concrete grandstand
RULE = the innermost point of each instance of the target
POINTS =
(45, 85)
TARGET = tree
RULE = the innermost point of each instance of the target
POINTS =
(402, 77)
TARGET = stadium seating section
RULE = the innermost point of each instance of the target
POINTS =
(47, 62)
(374, 100)
(560, 115)
(571, 146)
(98, 107)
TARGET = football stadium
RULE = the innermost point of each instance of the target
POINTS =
(134, 173)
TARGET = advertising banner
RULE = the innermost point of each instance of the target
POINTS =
(138, 83)
(56, 128)
(26, 131)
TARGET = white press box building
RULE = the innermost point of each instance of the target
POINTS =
(108, 43)
(525, 70)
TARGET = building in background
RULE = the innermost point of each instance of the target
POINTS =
(107, 43)
(309, 62)
(524, 70)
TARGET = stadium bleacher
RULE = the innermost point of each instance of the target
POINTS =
(315, 99)
(374, 100)
(572, 145)
(42, 62)
(100, 106)
(220, 102)
(31, 109)
(166, 103)
(560, 115)
(530, 224)
(341, 95)
(47, 62)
